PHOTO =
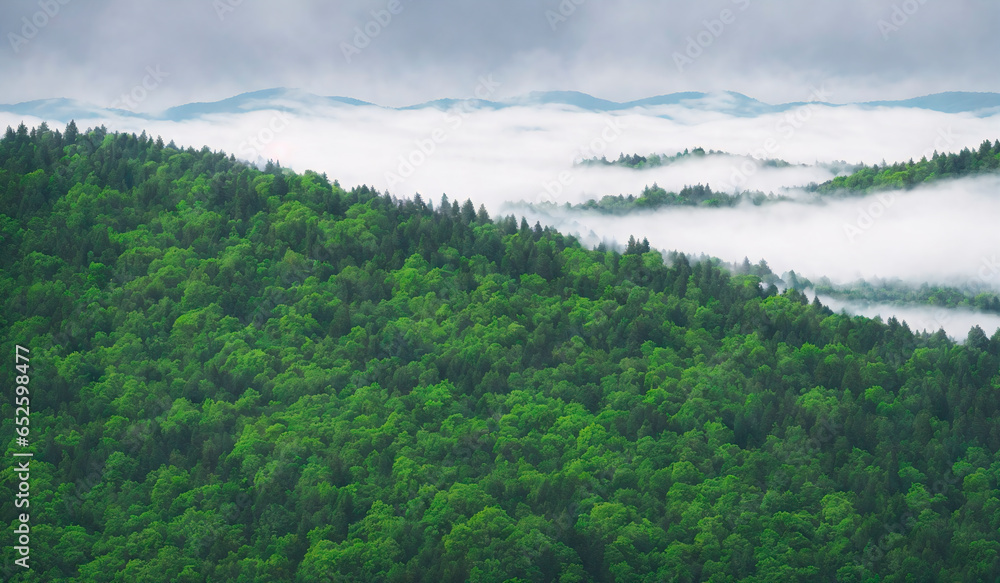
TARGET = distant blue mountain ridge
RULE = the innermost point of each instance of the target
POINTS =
(295, 100)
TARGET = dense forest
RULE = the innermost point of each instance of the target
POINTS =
(859, 180)
(637, 162)
(246, 375)
(882, 291)
(655, 197)
(907, 175)
(896, 292)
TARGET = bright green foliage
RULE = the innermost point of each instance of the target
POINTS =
(907, 175)
(655, 197)
(861, 180)
(901, 293)
(243, 375)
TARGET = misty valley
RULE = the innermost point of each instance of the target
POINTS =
(555, 291)
(255, 374)
(952, 303)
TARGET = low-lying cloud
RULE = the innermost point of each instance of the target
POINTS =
(956, 322)
(945, 233)
(495, 156)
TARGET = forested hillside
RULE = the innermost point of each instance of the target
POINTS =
(258, 376)
(859, 181)
(902, 294)
(655, 197)
(906, 175)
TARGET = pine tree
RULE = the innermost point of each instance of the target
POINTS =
(482, 216)
(71, 133)
(468, 212)
(631, 248)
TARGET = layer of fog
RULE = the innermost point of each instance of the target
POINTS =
(524, 153)
(943, 234)
(946, 234)
(956, 322)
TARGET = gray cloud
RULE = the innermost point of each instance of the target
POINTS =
(770, 49)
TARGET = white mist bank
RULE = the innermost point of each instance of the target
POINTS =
(527, 153)
(956, 322)
(945, 234)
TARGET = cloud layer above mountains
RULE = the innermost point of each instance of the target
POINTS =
(943, 234)
(397, 52)
(528, 154)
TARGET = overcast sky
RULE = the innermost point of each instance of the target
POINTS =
(773, 50)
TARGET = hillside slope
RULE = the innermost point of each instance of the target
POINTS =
(243, 375)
